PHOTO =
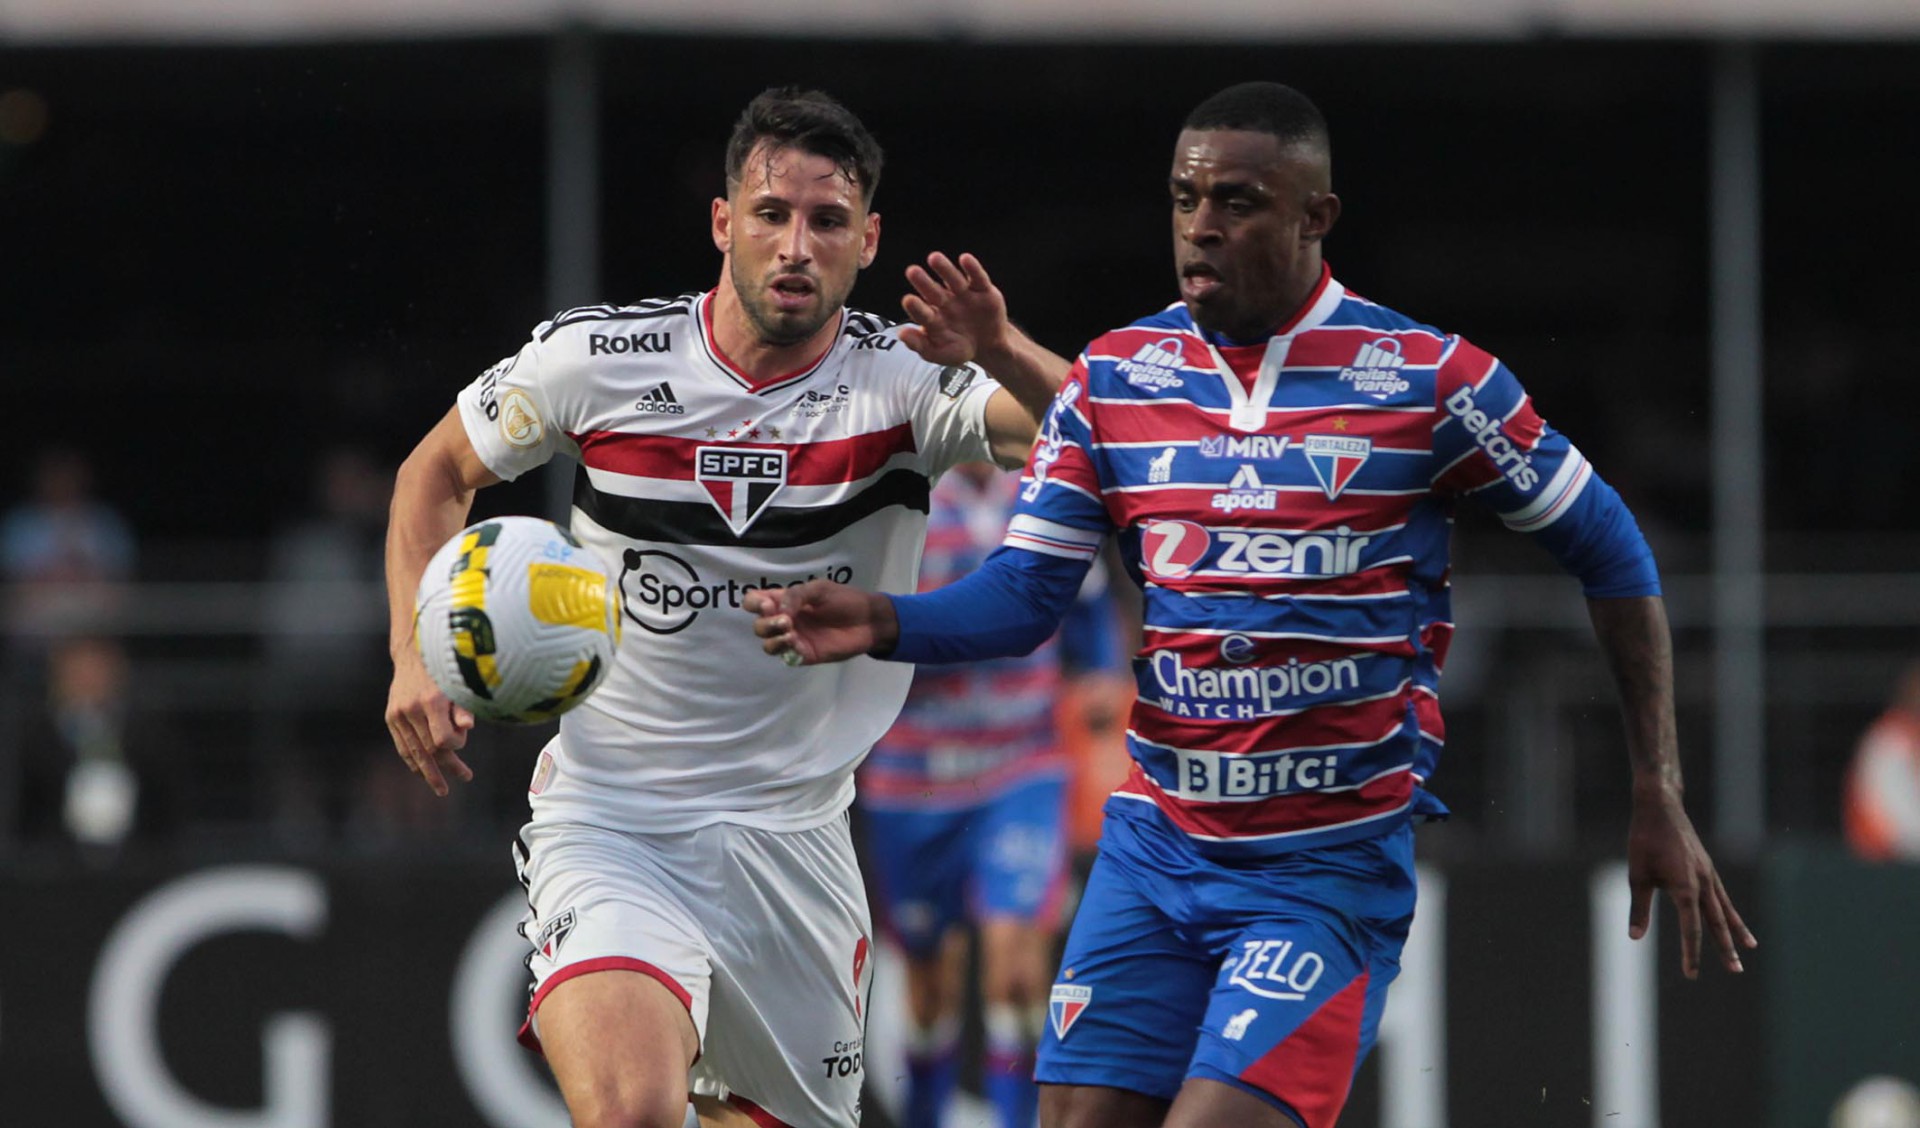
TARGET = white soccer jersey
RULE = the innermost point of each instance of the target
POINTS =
(696, 485)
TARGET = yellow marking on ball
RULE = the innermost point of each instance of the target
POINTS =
(565, 596)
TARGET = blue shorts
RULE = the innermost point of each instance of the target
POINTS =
(1269, 976)
(932, 869)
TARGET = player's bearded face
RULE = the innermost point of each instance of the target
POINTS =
(799, 235)
(1245, 240)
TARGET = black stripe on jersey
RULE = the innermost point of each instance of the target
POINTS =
(860, 323)
(658, 307)
(695, 522)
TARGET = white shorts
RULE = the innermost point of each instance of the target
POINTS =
(764, 935)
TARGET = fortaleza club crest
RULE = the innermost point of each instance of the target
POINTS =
(1336, 459)
(740, 480)
(1065, 1007)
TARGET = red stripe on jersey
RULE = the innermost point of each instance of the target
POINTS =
(1282, 814)
(1468, 365)
(1426, 709)
(1358, 723)
(1312, 1068)
(1305, 649)
(1336, 347)
(1153, 422)
(1388, 580)
(829, 462)
(1437, 637)
(1072, 466)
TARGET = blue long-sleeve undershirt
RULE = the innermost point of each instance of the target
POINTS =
(1009, 605)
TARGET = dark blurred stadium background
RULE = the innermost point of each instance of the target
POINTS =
(244, 263)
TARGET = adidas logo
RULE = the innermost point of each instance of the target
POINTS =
(1375, 369)
(660, 401)
(1155, 366)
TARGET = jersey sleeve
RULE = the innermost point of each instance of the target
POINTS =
(1015, 600)
(949, 411)
(1490, 443)
(519, 412)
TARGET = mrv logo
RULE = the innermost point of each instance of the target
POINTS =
(665, 594)
(1509, 459)
(1248, 691)
(1243, 446)
(1171, 550)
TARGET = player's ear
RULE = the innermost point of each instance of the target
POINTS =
(1323, 211)
(722, 225)
(870, 240)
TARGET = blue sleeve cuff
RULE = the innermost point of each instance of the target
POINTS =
(1599, 541)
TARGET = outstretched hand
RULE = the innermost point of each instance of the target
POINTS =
(959, 314)
(427, 729)
(821, 621)
(1664, 852)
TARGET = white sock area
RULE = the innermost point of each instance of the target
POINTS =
(938, 1040)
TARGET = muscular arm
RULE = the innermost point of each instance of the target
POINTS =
(432, 495)
(1663, 851)
(960, 315)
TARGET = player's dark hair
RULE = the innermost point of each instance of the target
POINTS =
(811, 122)
(1264, 107)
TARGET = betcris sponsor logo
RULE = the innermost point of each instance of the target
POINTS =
(1173, 550)
(1508, 458)
(665, 594)
(1246, 692)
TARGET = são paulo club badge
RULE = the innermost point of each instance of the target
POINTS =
(740, 480)
(1068, 1002)
(1171, 550)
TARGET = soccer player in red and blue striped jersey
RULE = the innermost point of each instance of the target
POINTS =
(1279, 460)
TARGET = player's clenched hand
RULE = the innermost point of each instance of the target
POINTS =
(821, 621)
(959, 314)
(1663, 852)
(428, 730)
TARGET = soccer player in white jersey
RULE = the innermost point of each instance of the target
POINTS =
(697, 920)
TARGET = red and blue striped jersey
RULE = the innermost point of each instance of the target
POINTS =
(972, 730)
(1286, 509)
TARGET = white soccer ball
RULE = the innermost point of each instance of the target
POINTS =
(515, 620)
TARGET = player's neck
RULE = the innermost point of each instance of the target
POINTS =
(739, 342)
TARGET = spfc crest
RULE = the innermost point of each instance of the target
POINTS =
(1336, 459)
(555, 934)
(1069, 1000)
(740, 480)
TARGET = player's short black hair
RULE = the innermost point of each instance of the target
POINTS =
(811, 122)
(1264, 107)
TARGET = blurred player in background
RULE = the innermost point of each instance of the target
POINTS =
(1279, 459)
(964, 807)
(695, 901)
(1881, 802)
